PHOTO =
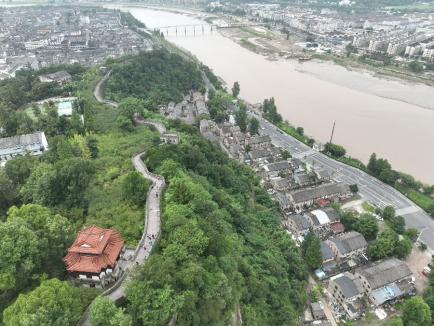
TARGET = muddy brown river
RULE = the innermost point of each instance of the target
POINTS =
(393, 118)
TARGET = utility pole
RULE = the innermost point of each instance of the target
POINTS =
(333, 131)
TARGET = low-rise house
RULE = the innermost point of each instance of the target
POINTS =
(305, 198)
(322, 175)
(33, 144)
(303, 179)
(92, 260)
(322, 219)
(276, 169)
(169, 138)
(317, 309)
(347, 245)
(386, 280)
(327, 253)
(299, 225)
(259, 154)
(283, 200)
(259, 142)
(282, 184)
(348, 292)
(60, 77)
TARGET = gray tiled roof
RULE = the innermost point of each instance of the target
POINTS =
(259, 153)
(278, 166)
(384, 272)
(349, 242)
(350, 285)
(300, 196)
(326, 251)
(301, 221)
(259, 140)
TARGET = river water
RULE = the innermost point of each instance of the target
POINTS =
(393, 118)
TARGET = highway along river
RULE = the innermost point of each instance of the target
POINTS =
(392, 118)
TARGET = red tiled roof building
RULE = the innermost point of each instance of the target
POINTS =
(94, 254)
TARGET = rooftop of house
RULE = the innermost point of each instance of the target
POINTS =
(58, 75)
(259, 153)
(278, 166)
(349, 242)
(384, 272)
(22, 140)
(93, 250)
(349, 284)
(300, 196)
(302, 222)
(326, 251)
(259, 140)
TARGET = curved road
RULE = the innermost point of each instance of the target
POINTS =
(370, 188)
(152, 228)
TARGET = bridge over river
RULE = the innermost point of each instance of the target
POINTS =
(201, 28)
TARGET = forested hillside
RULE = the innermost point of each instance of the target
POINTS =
(221, 251)
(157, 77)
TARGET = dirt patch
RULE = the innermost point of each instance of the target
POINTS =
(416, 262)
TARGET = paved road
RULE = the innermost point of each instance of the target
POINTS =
(152, 228)
(99, 94)
(370, 188)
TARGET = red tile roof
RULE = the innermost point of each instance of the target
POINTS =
(94, 250)
(337, 227)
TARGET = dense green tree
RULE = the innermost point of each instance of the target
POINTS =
(54, 232)
(397, 224)
(157, 77)
(135, 188)
(354, 188)
(154, 306)
(388, 213)
(124, 124)
(253, 126)
(241, 118)
(412, 234)
(403, 248)
(21, 255)
(236, 89)
(396, 322)
(270, 111)
(416, 66)
(8, 193)
(334, 150)
(37, 188)
(219, 105)
(311, 250)
(416, 312)
(285, 154)
(367, 225)
(19, 169)
(52, 303)
(103, 312)
(384, 246)
(349, 219)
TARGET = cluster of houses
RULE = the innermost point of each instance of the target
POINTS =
(305, 194)
(191, 108)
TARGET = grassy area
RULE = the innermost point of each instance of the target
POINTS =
(421, 199)
(368, 207)
(106, 205)
(290, 130)
(255, 32)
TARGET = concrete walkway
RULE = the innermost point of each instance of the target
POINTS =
(152, 228)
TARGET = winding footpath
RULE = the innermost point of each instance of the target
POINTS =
(152, 228)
